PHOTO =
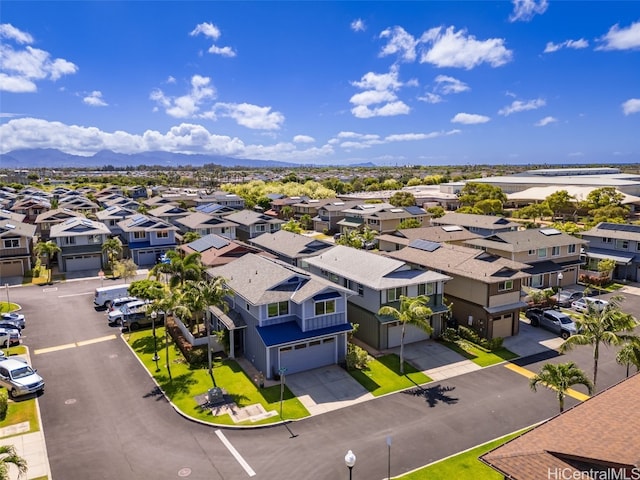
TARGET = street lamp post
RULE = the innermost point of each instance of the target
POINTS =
(350, 461)
(388, 457)
(560, 277)
(6, 286)
(281, 371)
(166, 343)
(155, 358)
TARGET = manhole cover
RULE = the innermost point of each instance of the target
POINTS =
(184, 472)
(71, 401)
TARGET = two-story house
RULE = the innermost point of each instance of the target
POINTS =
(354, 217)
(80, 241)
(46, 220)
(548, 251)
(222, 198)
(16, 246)
(78, 204)
(290, 247)
(484, 225)
(484, 289)
(618, 242)
(206, 224)
(147, 238)
(389, 219)
(214, 209)
(377, 281)
(31, 207)
(282, 318)
(390, 242)
(330, 214)
(169, 213)
(216, 250)
(250, 224)
(113, 215)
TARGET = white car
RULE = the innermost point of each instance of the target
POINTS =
(582, 305)
(19, 378)
(13, 317)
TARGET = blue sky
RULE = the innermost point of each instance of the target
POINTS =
(435, 83)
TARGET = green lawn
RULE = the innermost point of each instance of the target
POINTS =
(382, 375)
(478, 355)
(22, 411)
(464, 466)
(187, 382)
(8, 307)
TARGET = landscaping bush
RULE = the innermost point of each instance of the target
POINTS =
(4, 404)
(450, 335)
(357, 357)
(495, 343)
(473, 337)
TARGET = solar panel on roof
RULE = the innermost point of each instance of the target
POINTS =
(137, 220)
(425, 245)
(413, 210)
(622, 227)
(207, 242)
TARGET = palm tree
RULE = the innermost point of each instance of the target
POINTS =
(47, 249)
(113, 248)
(630, 355)
(605, 327)
(8, 456)
(183, 268)
(190, 237)
(560, 377)
(413, 311)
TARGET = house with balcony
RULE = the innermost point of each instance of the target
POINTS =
(147, 238)
(548, 252)
(377, 281)
(250, 224)
(330, 214)
(390, 242)
(205, 224)
(290, 247)
(80, 241)
(484, 225)
(615, 241)
(484, 289)
(46, 220)
(16, 247)
(281, 318)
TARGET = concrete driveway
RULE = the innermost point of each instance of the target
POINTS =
(436, 360)
(532, 340)
(327, 388)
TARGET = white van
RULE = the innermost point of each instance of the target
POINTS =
(105, 295)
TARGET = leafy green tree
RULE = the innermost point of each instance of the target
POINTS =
(570, 228)
(436, 212)
(603, 197)
(409, 223)
(292, 226)
(606, 266)
(560, 377)
(47, 249)
(182, 268)
(287, 212)
(489, 206)
(472, 193)
(413, 311)
(113, 248)
(306, 222)
(535, 210)
(8, 456)
(402, 199)
(151, 290)
(559, 201)
(629, 355)
(610, 213)
(602, 327)
(190, 237)
(125, 269)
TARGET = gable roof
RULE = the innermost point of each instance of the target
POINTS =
(289, 244)
(468, 220)
(250, 217)
(77, 226)
(524, 240)
(11, 228)
(217, 250)
(199, 219)
(9, 215)
(614, 230)
(58, 214)
(608, 439)
(439, 233)
(139, 222)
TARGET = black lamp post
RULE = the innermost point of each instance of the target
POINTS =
(155, 358)
(350, 461)
(389, 457)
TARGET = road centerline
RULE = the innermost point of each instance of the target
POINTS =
(243, 463)
(80, 343)
(528, 373)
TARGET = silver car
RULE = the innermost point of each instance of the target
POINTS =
(19, 378)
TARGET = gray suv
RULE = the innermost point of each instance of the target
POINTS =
(19, 378)
(553, 320)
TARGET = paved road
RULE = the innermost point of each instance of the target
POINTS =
(103, 418)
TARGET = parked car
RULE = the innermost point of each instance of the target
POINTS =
(553, 320)
(10, 325)
(566, 297)
(13, 335)
(13, 317)
(117, 303)
(139, 320)
(19, 378)
(582, 305)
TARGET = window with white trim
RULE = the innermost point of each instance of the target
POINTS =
(426, 288)
(571, 248)
(532, 252)
(162, 234)
(277, 309)
(325, 307)
(555, 251)
(12, 243)
(393, 294)
(261, 227)
(506, 285)
(139, 235)
(542, 252)
(622, 244)
(68, 240)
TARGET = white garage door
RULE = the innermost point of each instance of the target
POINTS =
(82, 262)
(306, 356)
(11, 269)
(411, 334)
(502, 327)
(147, 257)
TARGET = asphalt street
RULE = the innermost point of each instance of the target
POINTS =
(104, 419)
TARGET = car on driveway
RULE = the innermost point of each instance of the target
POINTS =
(19, 378)
(582, 305)
(13, 317)
(566, 297)
(553, 320)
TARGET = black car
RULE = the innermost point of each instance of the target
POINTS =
(565, 298)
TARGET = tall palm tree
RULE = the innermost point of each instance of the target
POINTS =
(8, 456)
(413, 311)
(560, 377)
(606, 327)
(47, 249)
(113, 248)
(183, 268)
(630, 355)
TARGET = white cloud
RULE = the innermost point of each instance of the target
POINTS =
(371, 97)
(430, 98)
(211, 31)
(448, 85)
(358, 25)
(409, 137)
(21, 67)
(621, 38)
(525, 10)
(251, 116)
(188, 105)
(387, 110)
(574, 44)
(458, 49)
(94, 99)
(379, 90)
(9, 31)
(303, 139)
(171, 79)
(631, 106)
(353, 140)
(469, 118)
(546, 121)
(520, 106)
(400, 42)
(379, 81)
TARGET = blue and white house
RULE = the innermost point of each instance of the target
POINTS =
(282, 318)
(147, 238)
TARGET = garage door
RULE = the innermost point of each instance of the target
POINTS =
(411, 334)
(306, 356)
(147, 257)
(82, 262)
(11, 269)
(502, 328)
